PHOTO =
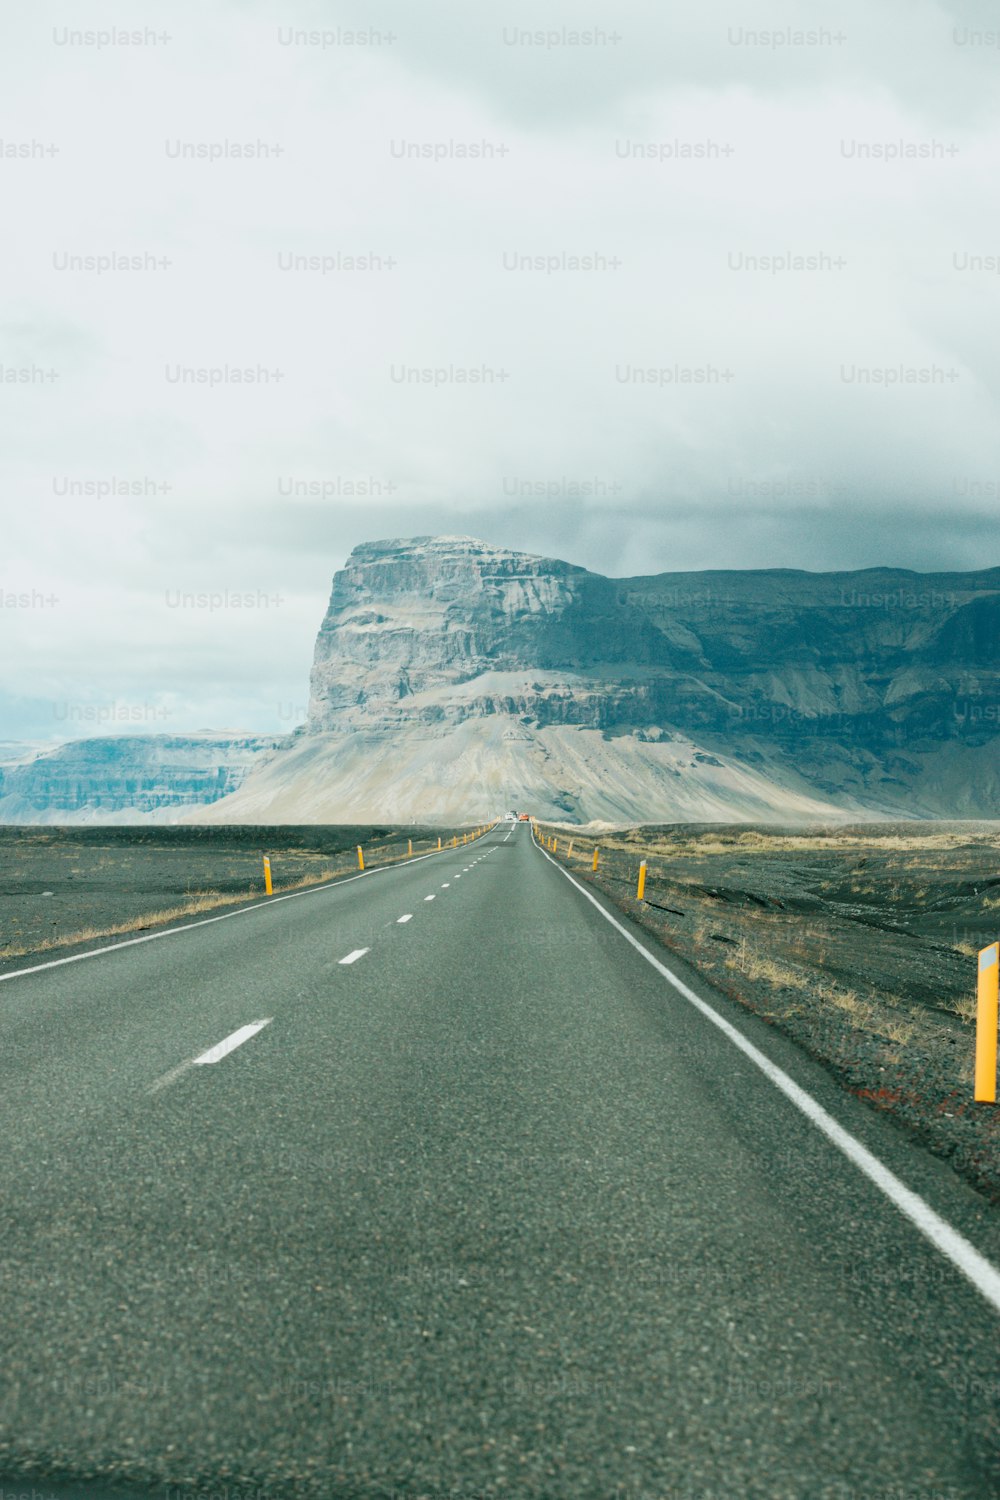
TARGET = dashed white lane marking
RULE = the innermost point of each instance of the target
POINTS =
(221, 1049)
(407, 918)
(428, 898)
(213, 1055)
(352, 958)
(446, 885)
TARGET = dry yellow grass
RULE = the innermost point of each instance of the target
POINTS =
(751, 840)
(864, 1014)
(756, 966)
(860, 1012)
(896, 1031)
(965, 1008)
(199, 901)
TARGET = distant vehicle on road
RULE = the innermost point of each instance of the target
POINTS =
(524, 818)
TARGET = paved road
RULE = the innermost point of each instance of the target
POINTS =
(490, 1210)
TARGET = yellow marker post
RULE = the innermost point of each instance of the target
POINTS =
(439, 841)
(409, 846)
(594, 865)
(988, 996)
(640, 893)
(361, 859)
(555, 846)
(269, 888)
(454, 843)
(569, 851)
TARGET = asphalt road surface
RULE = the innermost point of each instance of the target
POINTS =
(430, 1184)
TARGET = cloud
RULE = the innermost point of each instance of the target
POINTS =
(697, 297)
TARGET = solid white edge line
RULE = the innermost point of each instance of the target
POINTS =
(151, 937)
(954, 1246)
(354, 955)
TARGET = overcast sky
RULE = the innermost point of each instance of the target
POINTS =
(682, 150)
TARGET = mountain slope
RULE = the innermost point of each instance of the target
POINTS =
(451, 678)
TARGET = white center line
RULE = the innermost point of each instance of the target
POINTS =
(428, 898)
(407, 918)
(221, 1049)
(212, 1055)
(352, 958)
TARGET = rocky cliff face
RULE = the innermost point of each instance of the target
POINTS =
(446, 628)
(440, 629)
(447, 670)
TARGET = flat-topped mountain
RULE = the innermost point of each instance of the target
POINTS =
(449, 672)
(448, 627)
(452, 679)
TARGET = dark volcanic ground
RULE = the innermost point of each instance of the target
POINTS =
(859, 942)
(63, 886)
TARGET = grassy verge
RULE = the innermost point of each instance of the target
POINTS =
(199, 901)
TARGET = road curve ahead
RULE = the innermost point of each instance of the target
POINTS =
(430, 1184)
